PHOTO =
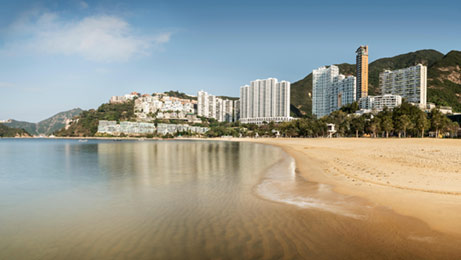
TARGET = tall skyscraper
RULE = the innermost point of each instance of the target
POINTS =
(265, 101)
(331, 90)
(362, 71)
(409, 83)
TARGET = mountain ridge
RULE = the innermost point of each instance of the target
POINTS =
(46, 126)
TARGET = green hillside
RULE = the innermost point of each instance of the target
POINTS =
(86, 124)
(444, 81)
(6, 131)
(47, 126)
(29, 127)
(444, 86)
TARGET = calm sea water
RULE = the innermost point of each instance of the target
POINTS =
(64, 199)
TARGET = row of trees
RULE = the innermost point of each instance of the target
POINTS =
(403, 121)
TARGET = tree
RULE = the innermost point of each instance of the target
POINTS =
(341, 120)
(447, 125)
(350, 108)
(358, 125)
(421, 122)
(436, 121)
(454, 126)
(387, 125)
(375, 125)
(404, 123)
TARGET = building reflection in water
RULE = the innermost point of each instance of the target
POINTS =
(164, 162)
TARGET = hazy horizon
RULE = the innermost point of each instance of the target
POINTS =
(58, 56)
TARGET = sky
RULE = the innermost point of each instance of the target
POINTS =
(59, 55)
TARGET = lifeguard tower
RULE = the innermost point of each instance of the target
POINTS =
(276, 132)
(331, 130)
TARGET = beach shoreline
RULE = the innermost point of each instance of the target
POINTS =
(422, 180)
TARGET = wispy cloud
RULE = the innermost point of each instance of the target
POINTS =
(101, 38)
(83, 4)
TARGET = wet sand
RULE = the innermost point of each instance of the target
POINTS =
(420, 178)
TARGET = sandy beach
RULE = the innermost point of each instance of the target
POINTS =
(418, 178)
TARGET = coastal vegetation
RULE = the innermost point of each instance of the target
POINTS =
(86, 124)
(6, 131)
(403, 121)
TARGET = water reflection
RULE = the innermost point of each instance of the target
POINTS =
(61, 199)
(95, 198)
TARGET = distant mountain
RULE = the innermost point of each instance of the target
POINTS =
(444, 81)
(47, 126)
(6, 131)
(29, 127)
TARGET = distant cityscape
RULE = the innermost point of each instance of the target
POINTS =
(332, 90)
(268, 100)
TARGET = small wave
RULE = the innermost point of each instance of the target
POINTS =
(281, 184)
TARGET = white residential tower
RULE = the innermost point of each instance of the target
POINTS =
(265, 101)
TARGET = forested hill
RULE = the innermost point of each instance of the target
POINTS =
(6, 131)
(86, 124)
(444, 78)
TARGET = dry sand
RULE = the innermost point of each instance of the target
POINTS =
(414, 177)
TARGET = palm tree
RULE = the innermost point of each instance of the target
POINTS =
(387, 124)
(358, 124)
(454, 126)
(405, 123)
(375, 125)
(421, 122)
(436, 121)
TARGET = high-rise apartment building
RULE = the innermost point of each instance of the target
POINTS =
(322, 82)
(343, 92)
(409, 83)
(202, 103)
(236, 110)
(331, 90)
(265, 101)
(211, 106)
(362, 71)
(224, 110)
(228, 110)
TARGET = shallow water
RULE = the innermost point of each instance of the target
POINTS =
(61, 199)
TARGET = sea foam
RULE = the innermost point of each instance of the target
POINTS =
(282, 184)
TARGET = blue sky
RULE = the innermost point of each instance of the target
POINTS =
(57, 55)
